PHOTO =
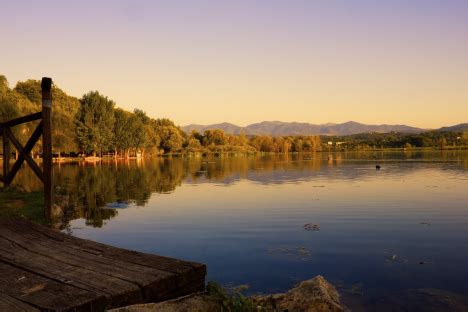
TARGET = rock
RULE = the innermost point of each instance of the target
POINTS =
(200, 302)
(312, 295)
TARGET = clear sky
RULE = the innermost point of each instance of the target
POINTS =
(244, 61)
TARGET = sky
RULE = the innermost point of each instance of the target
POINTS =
(245, 61)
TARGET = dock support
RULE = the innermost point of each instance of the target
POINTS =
(6, 158)
(46, 86)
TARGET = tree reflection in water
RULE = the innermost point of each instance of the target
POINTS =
(92, 191)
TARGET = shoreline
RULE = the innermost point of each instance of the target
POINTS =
(92, 159)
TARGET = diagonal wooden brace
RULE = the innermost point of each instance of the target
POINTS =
(24, 154)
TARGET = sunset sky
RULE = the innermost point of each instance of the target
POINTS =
(244, 61)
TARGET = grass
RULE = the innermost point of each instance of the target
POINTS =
(233, 300)
(29, 205)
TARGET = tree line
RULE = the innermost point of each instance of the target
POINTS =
(93, 125)
(372, 141)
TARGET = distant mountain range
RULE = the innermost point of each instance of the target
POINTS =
(278, 128)
(459, 127)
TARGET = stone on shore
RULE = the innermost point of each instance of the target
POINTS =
(315, 295)
(200, 302)
(312, 295)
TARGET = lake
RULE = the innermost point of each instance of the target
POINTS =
(272, 221)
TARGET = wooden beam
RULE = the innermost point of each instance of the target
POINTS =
(46, 87)
(6, 157)
(27, 149)
(18, 121)
(25, 155)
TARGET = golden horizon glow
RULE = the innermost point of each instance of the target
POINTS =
(249, 61)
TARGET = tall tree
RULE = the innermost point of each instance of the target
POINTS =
(122, 141)
(170, 135)
(8, 107)
(95, 123)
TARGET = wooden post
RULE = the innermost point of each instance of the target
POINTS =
(6, 158)
(46, 87)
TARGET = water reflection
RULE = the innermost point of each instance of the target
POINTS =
(271, 221)
(96, 191)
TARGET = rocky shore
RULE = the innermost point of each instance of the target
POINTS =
(315, 294)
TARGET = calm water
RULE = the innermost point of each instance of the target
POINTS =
(378, 233)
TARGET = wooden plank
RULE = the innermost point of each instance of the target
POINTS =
(122, 276)
(46, 87)
(8, 303)
(27, 149)
(35, 168)
(45, 294)
(146, 279)
(20, 120)
(148, 260)
(183, 272)
(117, 292)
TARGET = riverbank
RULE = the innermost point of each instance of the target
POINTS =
(29, 205)
(315, 294)
(109, 158)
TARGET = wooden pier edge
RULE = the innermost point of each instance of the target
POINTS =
(43, 269)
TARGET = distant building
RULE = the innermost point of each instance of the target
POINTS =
(330, 143)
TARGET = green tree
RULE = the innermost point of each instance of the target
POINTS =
(142, 116)
(122, 140)
(137, 133)
(64, 110)
(95, 123)
(3, 85)
(8, 107)
(170, 135)
(215, 137)
(30, 89)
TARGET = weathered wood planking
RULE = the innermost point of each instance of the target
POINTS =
(45, 269)
(8, 303)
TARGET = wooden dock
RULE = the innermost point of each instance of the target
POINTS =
(43, 269)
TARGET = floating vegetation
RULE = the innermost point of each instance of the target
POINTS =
(392, 257)
(356, 289)
(311, 227)
(303, 251)
(425, 223)
(300, 252)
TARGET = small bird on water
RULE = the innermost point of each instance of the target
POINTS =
(377, 167)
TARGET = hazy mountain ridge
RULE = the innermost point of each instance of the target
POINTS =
(278, 128)
(459, 127)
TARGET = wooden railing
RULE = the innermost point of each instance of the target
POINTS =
(44, 128)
